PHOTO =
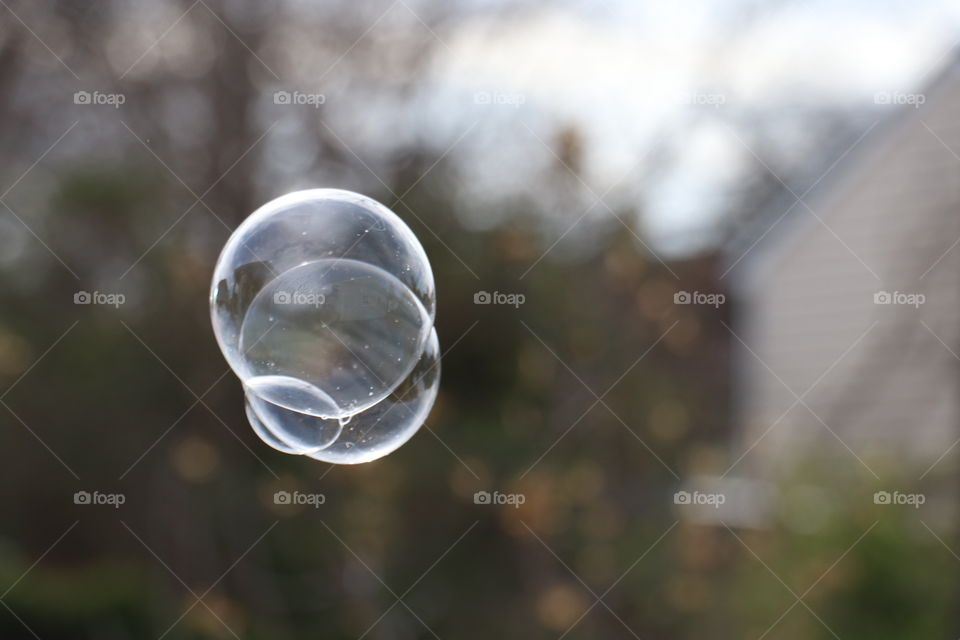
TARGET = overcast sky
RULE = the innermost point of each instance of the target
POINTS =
(627, 71)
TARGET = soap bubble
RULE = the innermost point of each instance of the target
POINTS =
(323, 304)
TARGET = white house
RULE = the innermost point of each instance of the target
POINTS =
(850, 301)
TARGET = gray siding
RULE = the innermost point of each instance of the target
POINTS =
(809, 297)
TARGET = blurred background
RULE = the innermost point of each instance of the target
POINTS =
(697, 298)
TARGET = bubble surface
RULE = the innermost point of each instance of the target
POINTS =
(323, 304)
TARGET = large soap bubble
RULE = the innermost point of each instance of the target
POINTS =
(323, 304)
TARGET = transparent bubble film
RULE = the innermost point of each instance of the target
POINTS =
(323, 304)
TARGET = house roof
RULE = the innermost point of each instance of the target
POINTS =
(782, 225)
